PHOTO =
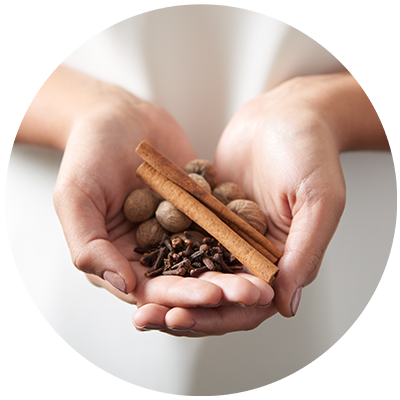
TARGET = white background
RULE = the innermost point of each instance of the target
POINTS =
(66, 337)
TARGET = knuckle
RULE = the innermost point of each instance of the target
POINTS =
(313, 265)
(84, 259)
(314, 262)
(80, 262)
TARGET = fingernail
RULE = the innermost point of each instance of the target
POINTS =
(148, 327)
(242, 305)
(179, 329)
(265, 306)
(115, 280)
(183, 327)
(212, 305)
(294, 305)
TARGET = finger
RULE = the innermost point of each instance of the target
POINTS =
(199, 322)
(177, 291)
(83, 222)
(150, 316)
(208, 321)
(216, 321)
(266, 292)
(129, 298)
(237, 289)
(311, 231)
(166, 290)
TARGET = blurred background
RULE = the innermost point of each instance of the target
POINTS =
(96, 324)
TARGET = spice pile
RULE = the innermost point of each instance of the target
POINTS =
(169, 240)
(186, 256)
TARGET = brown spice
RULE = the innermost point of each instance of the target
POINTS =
(203, 168)
(149, 233)
(167, 259)
(228, 191)
(197, 212)
(170, 218)
(141, 205)
(175, 174)
(251, 213)
(201, 181)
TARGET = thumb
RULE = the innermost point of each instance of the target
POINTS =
(101, 258)
(84, 227)
(311, 230)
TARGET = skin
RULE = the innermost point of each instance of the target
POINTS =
(286, 146)
(99, 126)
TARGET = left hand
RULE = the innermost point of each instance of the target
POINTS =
(96, 175)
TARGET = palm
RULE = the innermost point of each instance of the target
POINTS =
(286, 161)
(97, 174)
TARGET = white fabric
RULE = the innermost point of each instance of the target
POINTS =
(201, 63)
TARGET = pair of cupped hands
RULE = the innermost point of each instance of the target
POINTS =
(279, 147)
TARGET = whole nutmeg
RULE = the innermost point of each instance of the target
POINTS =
(203, 168)
(250, 212)
(149, 233)
(201, 181)
(228, 191)
(140, 205)
(171, 218)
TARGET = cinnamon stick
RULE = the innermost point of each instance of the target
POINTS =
(177, 175)
(258, 264)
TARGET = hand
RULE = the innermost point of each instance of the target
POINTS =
(283, 150)
(201, 321)
(97, 174)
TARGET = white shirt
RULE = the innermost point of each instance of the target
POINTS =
(201, 63)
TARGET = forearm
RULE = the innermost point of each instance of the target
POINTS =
(52, 112)
(41, 104)
(348, 111)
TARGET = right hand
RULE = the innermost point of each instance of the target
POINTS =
(282, 150)
(286, 151)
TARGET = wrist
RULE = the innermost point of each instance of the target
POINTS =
(299, 110)
(98, 100)
(320, 94)
(115, 108)
(50, 116)
(341, 102)
(67, 97)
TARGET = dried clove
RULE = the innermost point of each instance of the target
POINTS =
(196, 254)
(192, 239)
(166, 241)
(149, 258)
(179, 257)
(208, 263)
